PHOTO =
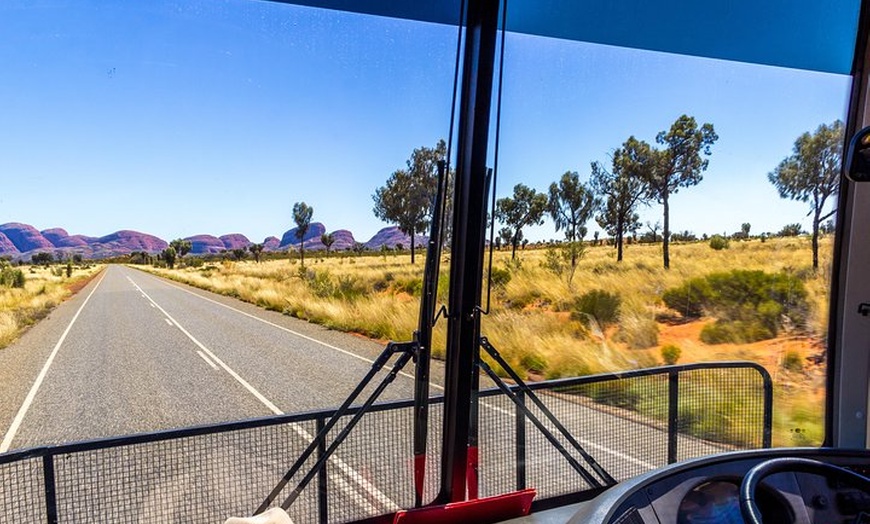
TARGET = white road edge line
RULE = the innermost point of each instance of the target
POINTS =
(210, 363)
(603, 449)
(19, 417)
(343, 466)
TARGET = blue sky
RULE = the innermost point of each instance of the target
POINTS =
(181, 118)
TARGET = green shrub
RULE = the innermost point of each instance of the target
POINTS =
(688, 299)
(698, 421)
(718, 242)
(671, 354)
(735, 332)
(638, 332)
(500, 278)
(748, 305)
(18, 279)
(792, 361)
(533, 361)
(412, 286)
(601, 305)
(617, 393)
(10, 277)
(324, 286)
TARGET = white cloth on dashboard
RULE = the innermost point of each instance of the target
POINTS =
(272, 516)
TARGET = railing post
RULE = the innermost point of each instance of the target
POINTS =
(673, 414)
(768, 411)
(50, 492)
(521, 442)
(322, 493)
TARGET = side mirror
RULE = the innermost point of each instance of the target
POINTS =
(858, 157)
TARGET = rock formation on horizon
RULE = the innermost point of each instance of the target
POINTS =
(20, 241)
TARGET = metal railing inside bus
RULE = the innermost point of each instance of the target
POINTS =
(631, 421)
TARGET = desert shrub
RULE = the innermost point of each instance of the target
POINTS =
(10, 277)
(601, 305)
(344, 287)
(525, 298)
(671, 354)
(194, 262)
(412, 286)
(533, 361)
(737, 332)
(638, 332)
(698, 421)
(792, 361)
(617, 393)
(749, 305)
(790, 230)
(18, 280)
(553, 261)
(688, 299)
(500, 278)
(718, 242)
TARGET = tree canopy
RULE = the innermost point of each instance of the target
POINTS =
(181, 246)
(527, 207)
(571, 205)
(408, 196)
(302, 214)
(327, 239)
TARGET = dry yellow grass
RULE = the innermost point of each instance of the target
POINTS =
(43, 290)
(529, 321)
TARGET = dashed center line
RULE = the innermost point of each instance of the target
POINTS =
(351, 473)
(168, 321)
(588, 443)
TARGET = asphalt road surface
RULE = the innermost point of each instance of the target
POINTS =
(133, 353)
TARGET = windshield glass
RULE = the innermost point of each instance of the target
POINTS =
(218, 212)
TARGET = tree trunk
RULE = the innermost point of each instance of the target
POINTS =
(619, 226)
(302, 252)
(816, 221)
(514, 241)
(666, 232)
(412, 246)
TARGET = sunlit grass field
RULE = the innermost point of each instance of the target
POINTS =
(531, 321)
(44, 288)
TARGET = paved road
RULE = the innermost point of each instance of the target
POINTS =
(144, 354)
(134, 353)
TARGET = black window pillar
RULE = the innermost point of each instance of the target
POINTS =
(466, 261)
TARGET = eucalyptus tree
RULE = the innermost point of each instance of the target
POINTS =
(622, 190)
(408, 196)
(302, 214)
(679, 164)
(327, 239)
(812, 174)
(181, 246)
(257, 251)
(571, 205)
(526, 208)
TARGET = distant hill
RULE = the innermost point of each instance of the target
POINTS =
(21, 241)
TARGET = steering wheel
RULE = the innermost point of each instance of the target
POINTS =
(749, 508)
